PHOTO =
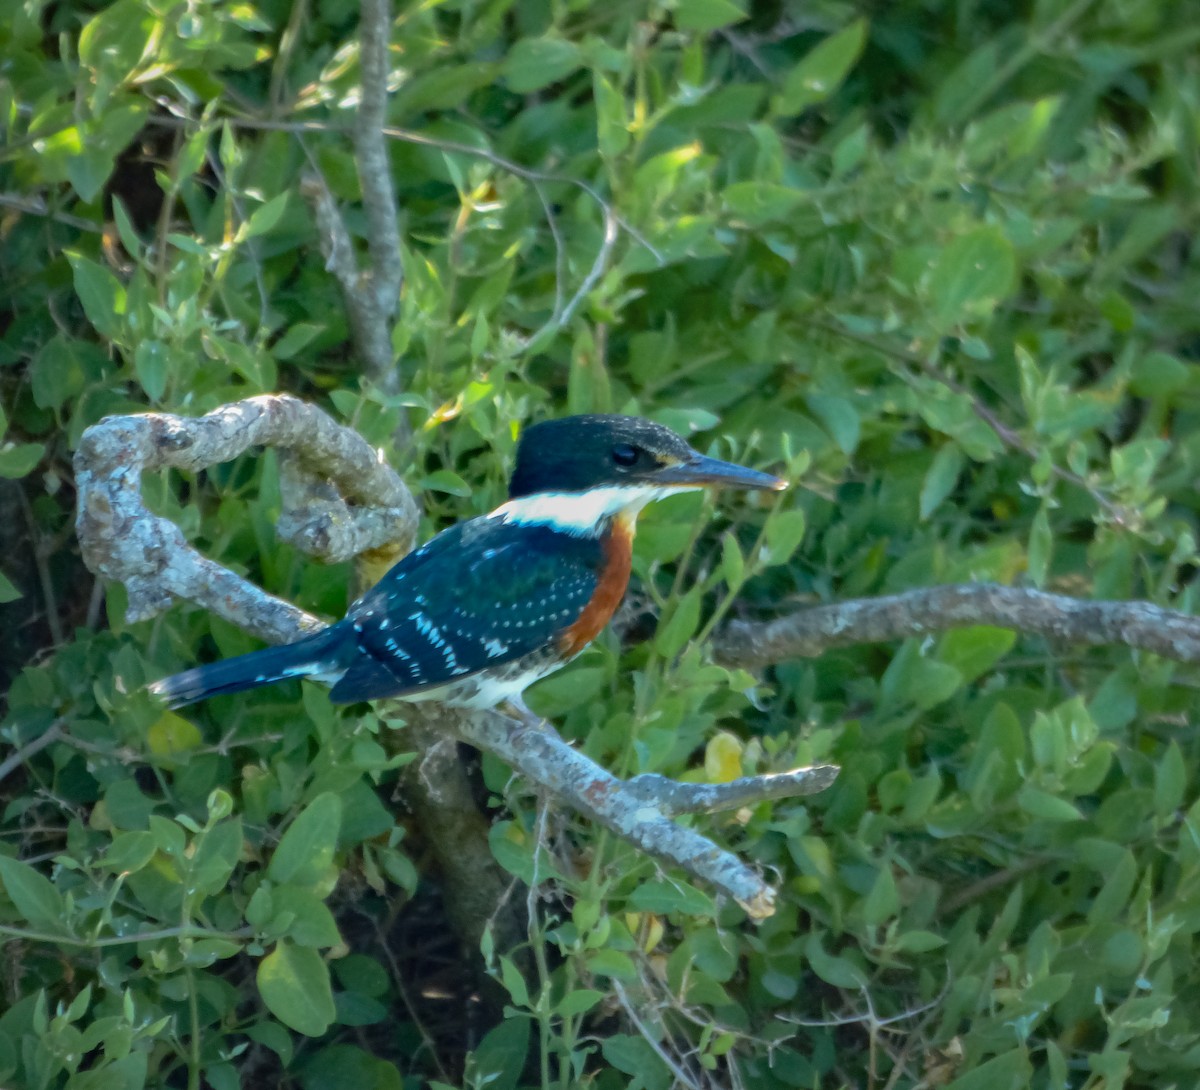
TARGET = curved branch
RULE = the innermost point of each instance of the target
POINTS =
(811, 632)
(122, 540)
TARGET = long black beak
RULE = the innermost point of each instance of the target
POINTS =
(703, 471)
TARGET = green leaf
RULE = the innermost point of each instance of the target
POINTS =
(216, 856)
(975, 650)
(971, 275)
(347, 1067)
(1041, 804)
(706, 15)
(611, 963)
(90, 169)
(919, 942)
(101, 293)
(1170, 781)
(20, 459)
(444, 480)
(783, 533)
(821, 71)
(830, 968)
(580, 1001)
(296, 338)
(1010, 1071)
(883, 902)
(501, 1056)
(125, 228)
(755, 203)
(941, 477)
(612, 126)
(263, 218)
(57, 373)
(1157, 374)
(305, 853)
(660, 895)
(130, 852)
(312, 924)
(680, 626)
(534, 63)
(839, 417)
(911, 677)
(294, 984)
(733, 565)
(151, 364)
(1041, 547)
(634, 1055)
(8, 591)
(33, 893)
(514, 982)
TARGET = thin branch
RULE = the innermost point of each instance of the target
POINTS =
(14, 760)
(35, 206)
(41, 559)
(370, 323)
(682, 1076)
(371, 295)
(185, 932)
(374, 170)
(811, 632)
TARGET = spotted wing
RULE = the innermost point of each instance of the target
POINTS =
(481, 594)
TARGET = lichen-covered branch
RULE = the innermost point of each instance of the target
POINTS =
(640, 811)
(675, 798)
(122, 540)
(808, 633)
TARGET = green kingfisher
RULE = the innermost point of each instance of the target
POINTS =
(489, 606)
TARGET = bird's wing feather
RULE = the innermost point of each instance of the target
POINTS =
(482, 594)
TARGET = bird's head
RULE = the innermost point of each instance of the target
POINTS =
(582, 470)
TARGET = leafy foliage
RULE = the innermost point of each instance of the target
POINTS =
(936, 258)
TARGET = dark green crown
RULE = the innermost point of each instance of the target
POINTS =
(577, 453)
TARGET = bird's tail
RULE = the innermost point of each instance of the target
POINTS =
(315, 654)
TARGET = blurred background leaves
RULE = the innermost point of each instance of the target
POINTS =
(938, 257)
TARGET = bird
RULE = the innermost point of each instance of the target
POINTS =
(492, 604)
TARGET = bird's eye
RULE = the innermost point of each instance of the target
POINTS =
(624, 455)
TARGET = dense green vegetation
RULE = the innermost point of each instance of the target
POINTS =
(935, 260)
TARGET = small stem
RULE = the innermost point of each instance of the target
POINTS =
(125, 940)
(52, 734)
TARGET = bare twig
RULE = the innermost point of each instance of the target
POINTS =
(14, 760)
(374, 171)
(41, 559)
(371, 295)
(682, 1076)
(811, 632)
(35, 206)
